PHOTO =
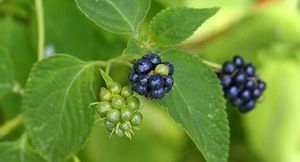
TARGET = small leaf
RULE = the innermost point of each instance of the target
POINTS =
(55, 106)
(196, 103)
(18, 151)
(133, 48)
(6, 72)
(106, 78)
(174, 25)
(118, 16)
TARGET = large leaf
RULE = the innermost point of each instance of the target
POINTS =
(196, 103)
(6, 72)
(174, 25)
(18, 151)
(118, 16)
(55, 106)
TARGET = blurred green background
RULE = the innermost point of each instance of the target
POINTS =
(266, 32)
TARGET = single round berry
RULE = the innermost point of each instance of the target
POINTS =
(105, 95)
(246, 95)
(171, 67)
(256, 93)
(136, 119)
(232, 93)
(133, 103)
(157, 93)
(143, 79)
(109, 125)
(156, 82)
(125, 126)
(248, 106)
(240, 78)
(119, 133)
(103, 107)
(113, 115)
(143, 66)
(118, 102)
(238, 61)
(229, 67)
(250, 70)
(169, 81)
(133, 77)
(237, 102)
(161, 69)
(126, 92)
(141, 89)
(226, 81)
(126, 114)
(115, 87)
(250, 84)
(153, 58)
(262, 85)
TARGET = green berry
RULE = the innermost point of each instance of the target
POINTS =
(133, 103)
(105, 95)
(126, 92)
(118, 102)
(126, 114)
(103, 107)
(162, 69)
(119, 133)
(109, 125)
(125, 126)
(115, 87)
(137, 119)
(113, 115)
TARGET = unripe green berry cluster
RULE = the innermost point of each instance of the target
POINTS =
(120, 109)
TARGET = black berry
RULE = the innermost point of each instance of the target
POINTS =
(238, 61)
(229, 67)
(153, 58)
(143, 66)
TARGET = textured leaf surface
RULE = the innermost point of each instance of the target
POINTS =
(118, 16)
(196, 103)
(174, 25)
(18, 151)
(55, 106)
(6, 72)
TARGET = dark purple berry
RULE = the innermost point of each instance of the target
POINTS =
(169, 81)
(256, 93)
(143, 66)
(226, 81)
(143, 79)
(167, 89)
(153, 58)
(262, 85)
(232, 93)
(141, 89)
(229, 67)
(238, 61)
(250, 84)
(250, 70)
(171, 67)
(248, 106)
(157, 94)
(237, 102)
(246, 95)
(240, 78)
(156, 82)
(133, 77)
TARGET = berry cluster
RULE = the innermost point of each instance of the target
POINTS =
(119, 109)
(241, 85)
(151, 77)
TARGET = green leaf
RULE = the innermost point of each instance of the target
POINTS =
(196, 103)
(106, 78)
(6, 72)
(18, 151)
(55, 107)
(118, 16)
(133, 48)
(174, 25)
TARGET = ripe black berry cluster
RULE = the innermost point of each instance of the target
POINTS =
(151, 77)
(241, 85)
(119, 109)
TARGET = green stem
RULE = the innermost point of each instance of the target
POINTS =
(75, 158)
(213, 65)
(10, 125)
(41, 28)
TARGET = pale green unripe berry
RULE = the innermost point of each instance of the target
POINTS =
(125, 126)
(126, 114)
(109, 125)
(137, 119)
(162, 69)
(119, 133)
(118, 102)
(103, 107)
(105, 95)
(115, 87)
(133, 103)
(126, 92)
(113, 115)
